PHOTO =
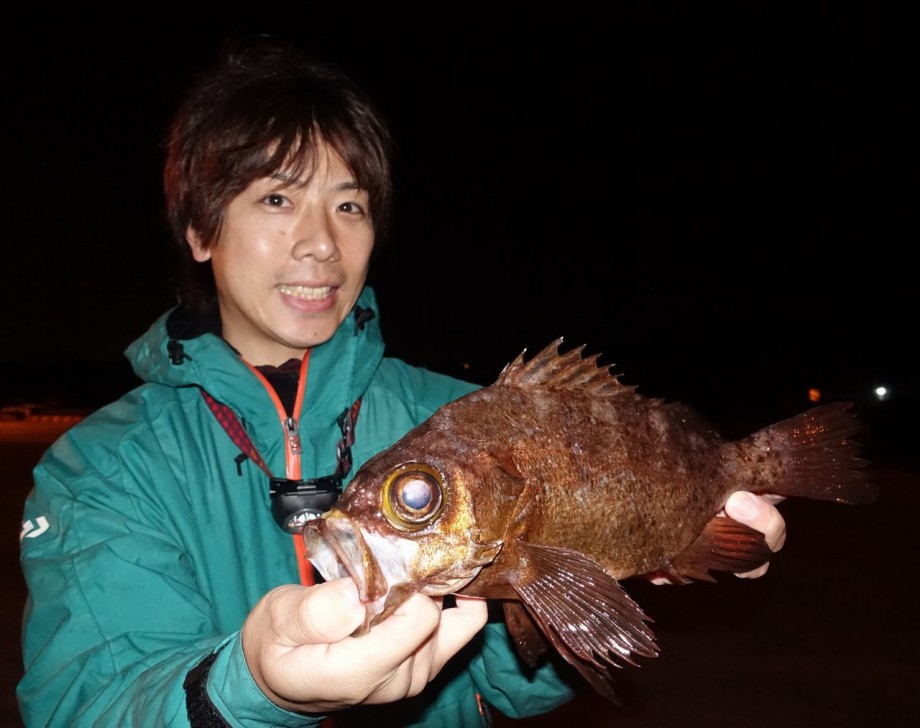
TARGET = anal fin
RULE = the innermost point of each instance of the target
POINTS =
(723, 545)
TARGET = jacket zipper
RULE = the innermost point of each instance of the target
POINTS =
(290, 424)
(292, 451)
(293, 436)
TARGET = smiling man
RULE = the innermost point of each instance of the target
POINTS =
(290, 259)
(171, 585)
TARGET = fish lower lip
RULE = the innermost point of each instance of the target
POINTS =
(335, 546)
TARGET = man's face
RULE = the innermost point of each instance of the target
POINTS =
(290, 260)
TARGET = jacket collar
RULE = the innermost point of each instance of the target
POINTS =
(340, 370)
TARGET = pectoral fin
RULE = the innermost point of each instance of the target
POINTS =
(724, 545)
(583, 612)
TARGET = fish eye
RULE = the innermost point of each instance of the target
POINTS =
(413, 495)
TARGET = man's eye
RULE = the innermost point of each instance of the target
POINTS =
(351, 207)
(275, 200)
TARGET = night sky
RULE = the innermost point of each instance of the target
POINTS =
(716, 201)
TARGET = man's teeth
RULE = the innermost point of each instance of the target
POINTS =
(306, 291)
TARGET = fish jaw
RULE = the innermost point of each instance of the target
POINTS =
(379, 564)
(385, 567)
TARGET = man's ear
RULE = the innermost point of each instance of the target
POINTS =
(200, 252)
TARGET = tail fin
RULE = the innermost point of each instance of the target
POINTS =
(815, 456)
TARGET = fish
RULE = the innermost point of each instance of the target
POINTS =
(547, 489)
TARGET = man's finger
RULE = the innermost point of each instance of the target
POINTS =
(755, 512)
(458, 626)
(760, 515)
(321, 614)
(401, 634)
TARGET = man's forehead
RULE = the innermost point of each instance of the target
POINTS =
(303, 164)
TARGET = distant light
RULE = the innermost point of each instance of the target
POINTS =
(466, 365)
(814, 394)
(882, 393)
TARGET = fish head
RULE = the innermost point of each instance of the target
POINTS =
(405, 526)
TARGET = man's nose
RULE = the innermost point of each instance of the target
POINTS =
(314, 236)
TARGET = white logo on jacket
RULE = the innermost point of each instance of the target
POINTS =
(31, 530)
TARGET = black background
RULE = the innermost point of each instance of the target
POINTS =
(718, 200)
(721, 200)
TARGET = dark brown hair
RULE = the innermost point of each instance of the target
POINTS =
(264, 108)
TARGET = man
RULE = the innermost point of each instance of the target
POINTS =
(164, 591)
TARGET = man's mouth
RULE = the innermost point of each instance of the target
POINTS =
(305, 292)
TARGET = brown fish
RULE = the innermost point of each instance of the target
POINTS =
(548, 488)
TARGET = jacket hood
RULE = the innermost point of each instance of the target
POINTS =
(340, 370)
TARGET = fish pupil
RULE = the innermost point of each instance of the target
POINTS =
(416, 494)
(412, 496)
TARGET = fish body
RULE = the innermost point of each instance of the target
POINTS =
(548, 488)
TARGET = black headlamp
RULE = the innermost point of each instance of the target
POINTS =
(294, 502)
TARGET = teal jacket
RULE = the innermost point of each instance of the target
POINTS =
(152, 541)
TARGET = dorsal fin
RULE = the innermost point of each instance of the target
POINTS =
(552, 370)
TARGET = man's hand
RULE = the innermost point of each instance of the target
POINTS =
(298, 645)
(760, 513)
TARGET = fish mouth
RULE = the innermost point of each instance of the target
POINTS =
(338, 547)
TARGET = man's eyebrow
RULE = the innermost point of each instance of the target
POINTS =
(292, 181)
(286, 179)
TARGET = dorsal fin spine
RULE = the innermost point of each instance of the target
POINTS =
(553, 370)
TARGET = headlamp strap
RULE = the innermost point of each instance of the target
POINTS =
(231, 424)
